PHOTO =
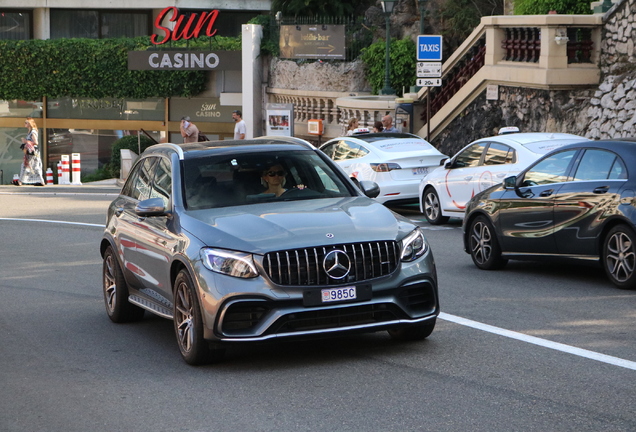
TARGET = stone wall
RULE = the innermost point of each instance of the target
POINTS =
(337, 76)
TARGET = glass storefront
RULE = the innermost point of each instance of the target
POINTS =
(106, 109)
(20, 108)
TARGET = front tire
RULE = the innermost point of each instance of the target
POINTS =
(619, 256)
(432, 207)
(188, 324)
(414, 332)
(484, 246)
(115, 290)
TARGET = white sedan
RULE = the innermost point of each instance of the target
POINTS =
(445, 191)
(397, 162)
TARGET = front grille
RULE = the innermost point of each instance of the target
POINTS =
(305, 266)
(335, 318)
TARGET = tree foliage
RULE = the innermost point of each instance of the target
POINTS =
(542, 7)
(403, 60)
(319, 7)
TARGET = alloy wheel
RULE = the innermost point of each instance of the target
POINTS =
(184, 318)
(431, 206)
(620, 257)
(110, 284)
(481, 242)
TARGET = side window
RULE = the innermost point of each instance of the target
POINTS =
(553, 169)
(329, 150)
(140, 188)
(618, 171)
(499, 154)
(346, 150)
(470, 157)
(162, 187)
(595, 165)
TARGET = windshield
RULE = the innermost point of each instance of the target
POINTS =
(250, 178)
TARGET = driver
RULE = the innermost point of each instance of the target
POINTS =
(273, 178)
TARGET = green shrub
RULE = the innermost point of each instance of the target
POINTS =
(403, 60)
(128, 142)
(542, 7)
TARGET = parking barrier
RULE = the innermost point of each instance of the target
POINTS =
(59, 172)
(76, 169)
(65, 170)
(16, 178)
(49, 176)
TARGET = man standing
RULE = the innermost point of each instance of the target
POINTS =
(189, 131)
(387, 122)
(240, 129)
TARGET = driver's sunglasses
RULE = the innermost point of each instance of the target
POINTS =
(276, 173)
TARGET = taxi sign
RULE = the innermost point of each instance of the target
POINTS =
(429, 48)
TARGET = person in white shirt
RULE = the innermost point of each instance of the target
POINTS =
(240, 128)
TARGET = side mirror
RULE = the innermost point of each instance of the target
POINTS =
(370, 189)
(448, 163)
(510, 182)
(150, 207)
(443, 161)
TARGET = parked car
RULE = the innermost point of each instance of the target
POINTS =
(576, 202)
(444, 192)
(193, 238)
(395, 161)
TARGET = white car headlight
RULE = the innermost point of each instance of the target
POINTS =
(413, 245)
(231, 263)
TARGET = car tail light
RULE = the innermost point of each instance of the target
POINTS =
(384, 167)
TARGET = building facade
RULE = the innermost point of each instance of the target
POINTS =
(90, 126)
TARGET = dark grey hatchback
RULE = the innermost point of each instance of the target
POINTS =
(577, 202)
(197, 236)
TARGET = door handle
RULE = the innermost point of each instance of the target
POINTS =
(601, 189)
(546, 193)
(468, 178)
(501, 175)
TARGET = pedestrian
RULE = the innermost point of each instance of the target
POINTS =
(240, 128)
(351, 126)
(387, 122)
(31, 169)
(377, 126)
(189, 131)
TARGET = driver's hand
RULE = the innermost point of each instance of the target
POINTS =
(300, 186)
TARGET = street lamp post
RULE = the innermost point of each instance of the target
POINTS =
(387, 8)
(422, 5)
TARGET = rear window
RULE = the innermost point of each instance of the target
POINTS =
(544, 147)
(406, 145)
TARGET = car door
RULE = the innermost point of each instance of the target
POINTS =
(137, 188)
(526, 214)
(460, 177)
(583, 203)
(156, 239)
(495, 166)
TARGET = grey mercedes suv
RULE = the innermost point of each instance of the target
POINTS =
(241, 241)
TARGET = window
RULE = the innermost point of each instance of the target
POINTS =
(597, 164)
(499, 154)
(15, 25)
(553, 169)
(96, 24)
(470, 157)
(162, 187)
(139, 186)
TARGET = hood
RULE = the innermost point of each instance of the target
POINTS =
(262, 228)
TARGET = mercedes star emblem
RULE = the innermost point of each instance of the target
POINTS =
(337, 264)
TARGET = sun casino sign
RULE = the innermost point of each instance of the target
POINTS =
(197, 24)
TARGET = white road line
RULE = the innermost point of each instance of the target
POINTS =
(53, 221)
(592, 355)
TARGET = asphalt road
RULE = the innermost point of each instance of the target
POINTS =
(534, 347)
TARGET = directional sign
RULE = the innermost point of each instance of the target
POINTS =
(429, 69)
(429, 82)
(429, 48)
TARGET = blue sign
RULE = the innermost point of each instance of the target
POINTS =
(429, 48)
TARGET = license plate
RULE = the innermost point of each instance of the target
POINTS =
(420, 171)
(338, 294)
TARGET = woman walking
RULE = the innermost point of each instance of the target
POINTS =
(31, 170)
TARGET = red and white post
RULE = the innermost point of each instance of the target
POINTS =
(65, 170)
(76, 169)
(49, 176)
(59, 172)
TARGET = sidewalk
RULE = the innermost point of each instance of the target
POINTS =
(111, 186)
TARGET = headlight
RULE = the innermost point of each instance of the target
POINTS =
(413, 245)
(237, 264)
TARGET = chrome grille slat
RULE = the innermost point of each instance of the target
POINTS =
(369, 260)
